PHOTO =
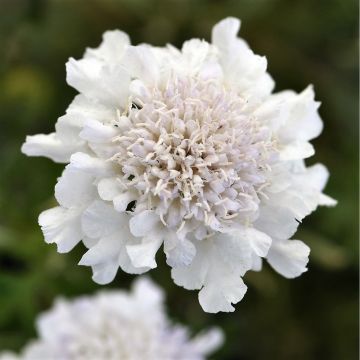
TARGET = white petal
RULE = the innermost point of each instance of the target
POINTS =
(126, 264)
(142, 63)
(61, 226)
(325, 200)
(225, 31)
(95, 131)
(68, 127)
(108, 254)
(211, 70)
(122, 201)
(60, 145)
(143, 255)
(75, 188)
(274, 111)
(109, 188)
(304, 122)
(235, 250)
(316, 176)
(276, 221)
(193, 276)
(265, 84)
(296, 203)
(91, 165)
(179, 252)
(144, 285)
(105, 273)
(279, 178)
(260, 242)
(82, 74)
(221, 289)
(289, 258)
(104, 150)
(112, 47)
(83, 108)
(296, 150)
(243, 70)
(104, 251)
(144, 223)
(100, 219)
(95, 80)
(304, 194)
(139, 90)
(111, 249)
(197, 59)
(49, 146)
(207, 342)
(256, 263)
(89, 242)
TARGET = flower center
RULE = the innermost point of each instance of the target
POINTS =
(194, 151)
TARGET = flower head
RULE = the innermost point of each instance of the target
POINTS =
(115, 325)
(188, 149)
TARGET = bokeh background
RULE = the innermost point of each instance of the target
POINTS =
(306, 41)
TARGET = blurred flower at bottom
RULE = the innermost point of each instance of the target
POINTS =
(115, 325)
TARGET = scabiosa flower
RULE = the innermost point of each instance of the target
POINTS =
(116, 325)
(188, 149)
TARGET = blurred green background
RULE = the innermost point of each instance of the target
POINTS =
(312, 317)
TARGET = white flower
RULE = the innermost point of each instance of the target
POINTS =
(188, 149)
(115, 325)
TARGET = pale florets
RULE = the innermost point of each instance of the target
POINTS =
(115, 325)
(193, 152)
(188, 149)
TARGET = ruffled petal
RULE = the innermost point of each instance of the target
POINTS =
(304, 122)
(192, 277)
(235, 250)
(143, 254)
(122, 200)
(109, 188)
(144, 285)
(97, 81)
(276, 221)
(296, 150)
(243, 70)
(100, 219)
(259, 241)
(62, 227)
(222, 289)
(83, 108)
(224, 32)
(75, 188)
(216, 268)
(103, 251)
(256, 263)
(110, 253)
(317, 175)
(142, 64)
(97, 132)
(112, 47)
(49, 146)
(105, 273)
(91, 165)
(179, 251)
(289, 258)
(144, 223)
(60, 145)
(304, 194)
(127, 265)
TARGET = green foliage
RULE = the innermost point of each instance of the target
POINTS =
(305, 41)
